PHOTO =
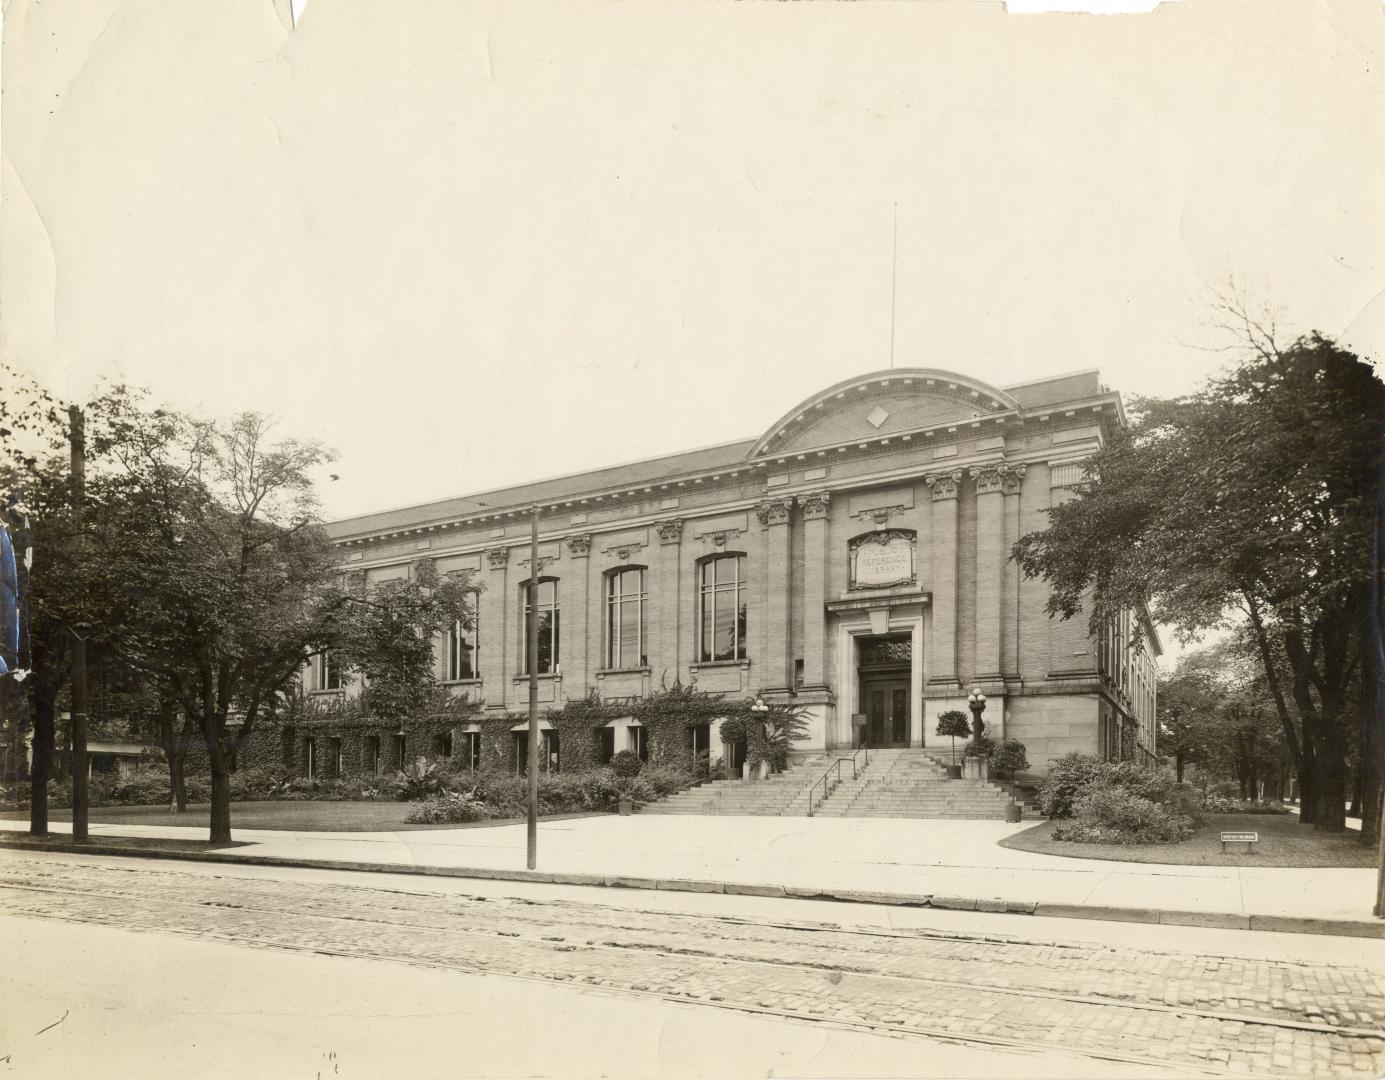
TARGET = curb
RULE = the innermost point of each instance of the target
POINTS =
(1280, 924)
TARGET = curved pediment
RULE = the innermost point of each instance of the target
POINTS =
(883, 402)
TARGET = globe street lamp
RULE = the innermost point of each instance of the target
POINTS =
(760, 709)
(976, 701)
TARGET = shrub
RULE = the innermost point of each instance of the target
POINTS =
(1108, 814)
(981, 746)
(419, 779)
(626, 764)
(1221, 804)
(143, 788)
(454, 808)
(1067, 777)
(666, 779)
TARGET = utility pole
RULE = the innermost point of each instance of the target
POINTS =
(79, 643)
(533, 829)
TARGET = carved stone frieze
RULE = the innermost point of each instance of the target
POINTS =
(498, 556)
(579, 546)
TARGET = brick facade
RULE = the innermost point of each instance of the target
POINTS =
(926, 476)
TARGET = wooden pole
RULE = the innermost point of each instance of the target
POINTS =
(78, 763)
(533, 815)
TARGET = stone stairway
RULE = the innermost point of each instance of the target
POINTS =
(780, 795)
(913, 783)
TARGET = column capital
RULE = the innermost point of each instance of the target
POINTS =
(774, 511)
(815, 504)
(580, 546)
(671, 531)
(987, 478)
(944, 485)
(498, 557)
(1011, 476)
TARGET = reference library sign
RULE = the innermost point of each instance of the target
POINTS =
(882, 559)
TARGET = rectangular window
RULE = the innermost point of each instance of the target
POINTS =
(625, 600)
(401, 751)
(608, 743)
(549, 741)
(326, 672)
(310, 752)
(639, 742)
(722, 598)
(548, 625)
(462, 653)
(372, 755)
(471, 747)
(444, 746)
(334, 759)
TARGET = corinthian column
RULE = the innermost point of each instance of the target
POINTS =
(990, 568)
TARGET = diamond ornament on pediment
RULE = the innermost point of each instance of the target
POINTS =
(876, 417)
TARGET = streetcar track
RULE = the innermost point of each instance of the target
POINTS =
(706, 955)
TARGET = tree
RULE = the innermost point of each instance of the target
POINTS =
(1252, 500)
(1007, 759)
(385, 634)
(953, 725)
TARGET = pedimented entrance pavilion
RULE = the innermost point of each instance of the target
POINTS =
(851, 560)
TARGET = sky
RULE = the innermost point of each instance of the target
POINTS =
(473, 244)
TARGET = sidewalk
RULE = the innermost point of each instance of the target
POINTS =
(955, 863)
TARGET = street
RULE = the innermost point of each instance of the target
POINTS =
(360, 975)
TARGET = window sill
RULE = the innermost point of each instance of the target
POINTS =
(542, 676)
(327, 693)
(718, 664)
(603, 672)
(466, 682)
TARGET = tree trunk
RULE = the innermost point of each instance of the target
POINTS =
(1308, 786)
(221, 800)
(177, 777)
(1332, 786)
(1178, 767)
(43, 708)
(1358, 787)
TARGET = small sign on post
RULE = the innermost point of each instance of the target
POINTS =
(1248, 838)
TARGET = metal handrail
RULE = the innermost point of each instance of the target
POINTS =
(836, 767)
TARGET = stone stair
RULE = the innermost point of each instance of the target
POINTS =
(780, 795)
(913, 783)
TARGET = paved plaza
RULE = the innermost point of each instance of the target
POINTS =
(950, 858)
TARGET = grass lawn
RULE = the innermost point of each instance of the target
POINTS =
(1283, 842)
(287, 815)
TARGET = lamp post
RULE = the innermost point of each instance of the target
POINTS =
(760, 709)
(532, 831)
(976, 702)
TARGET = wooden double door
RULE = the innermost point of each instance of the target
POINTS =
(887, 710)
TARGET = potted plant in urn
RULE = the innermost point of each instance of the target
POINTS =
(1007, 759)
(953, 725)
(978, 757)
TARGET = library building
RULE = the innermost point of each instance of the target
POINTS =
(851, 560)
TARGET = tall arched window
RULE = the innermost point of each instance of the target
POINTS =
(721, 609)
(625, 632)
(548, 625)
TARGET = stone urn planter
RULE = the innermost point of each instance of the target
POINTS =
(627, 807)
(977, 768)
(1014, 812)
(954, 772)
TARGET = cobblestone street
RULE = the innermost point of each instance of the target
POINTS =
(1197, 1013)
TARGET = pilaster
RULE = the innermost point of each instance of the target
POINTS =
(496, 604)
(774, 519)
(575, 658)
(815, 507)
(1011, 480)
(990, 569)
(942, 660)
(665, 610)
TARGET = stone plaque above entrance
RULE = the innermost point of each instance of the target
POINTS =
(883, 559)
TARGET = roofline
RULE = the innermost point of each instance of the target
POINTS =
(1052, 378)
(538, 480)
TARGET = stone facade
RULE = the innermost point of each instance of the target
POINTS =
(858, 550)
